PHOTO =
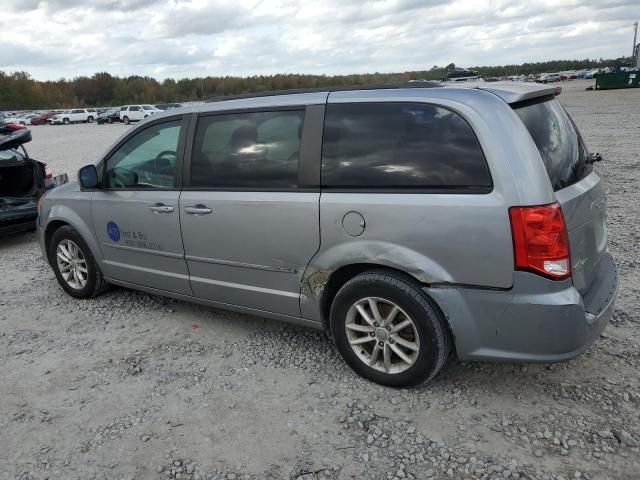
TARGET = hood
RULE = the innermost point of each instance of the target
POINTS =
(12, 136)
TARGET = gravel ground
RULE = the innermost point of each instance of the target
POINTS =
(133, 386)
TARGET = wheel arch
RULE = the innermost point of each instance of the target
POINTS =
(342, 275)
(61, 216)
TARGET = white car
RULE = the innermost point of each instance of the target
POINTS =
(77, 115)
(133, 113)
(12, 119)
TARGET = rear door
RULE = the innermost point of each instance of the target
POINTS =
(250, 223)
(580, 192)
(77, 115)
(135, 112)
(135, 214)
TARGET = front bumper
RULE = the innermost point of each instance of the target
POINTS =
(538, 320)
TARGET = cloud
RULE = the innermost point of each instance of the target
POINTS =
(187, 38)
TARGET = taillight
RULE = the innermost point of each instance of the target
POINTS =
(540, 240)
(48, 174)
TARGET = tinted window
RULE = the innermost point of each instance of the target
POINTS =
(10, 155)
(77, 111)
(135, 109)
(386, 145)
(146, 160)
(247, 150)
(561, 147)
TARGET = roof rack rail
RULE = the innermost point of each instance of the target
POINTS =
(343, 88)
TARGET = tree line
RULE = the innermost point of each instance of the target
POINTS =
(18, 90)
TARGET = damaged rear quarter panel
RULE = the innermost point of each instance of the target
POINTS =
(435, 238)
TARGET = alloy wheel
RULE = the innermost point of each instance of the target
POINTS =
(72, 264)
(382, 335)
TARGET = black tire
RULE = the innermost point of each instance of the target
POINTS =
(110, 120)
(90, 120)
(126, 120)
(434, 342)
(66, 121)
(96, 284)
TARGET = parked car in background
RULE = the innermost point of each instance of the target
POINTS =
(134, 113)
(76, 115)
(405, 221)
(11, 118)
(591, 74)
(168, 106)
(109, 116)
(548, 78)
(23, 118)
(23, 180)
(43, 118)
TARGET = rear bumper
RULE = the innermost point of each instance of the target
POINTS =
(12, 222)
(538, 320)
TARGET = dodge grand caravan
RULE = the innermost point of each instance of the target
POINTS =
(405, 220)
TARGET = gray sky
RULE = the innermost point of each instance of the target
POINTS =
(188, 38)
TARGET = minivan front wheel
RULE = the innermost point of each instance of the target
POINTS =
(388, 331)
(73, 264)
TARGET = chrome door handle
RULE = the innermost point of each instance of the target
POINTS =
(198, 210)
(161, 208)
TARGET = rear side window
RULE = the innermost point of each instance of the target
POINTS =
(558, 140)
(247, 150)
(400, 145)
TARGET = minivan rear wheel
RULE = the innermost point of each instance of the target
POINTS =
(388, 331)
(73, 264)
(126, 120)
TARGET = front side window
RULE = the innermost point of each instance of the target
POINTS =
(400, 145)
(146, 160)
(247, 150)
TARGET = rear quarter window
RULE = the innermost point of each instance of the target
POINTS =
(401, 145)
(560, 145)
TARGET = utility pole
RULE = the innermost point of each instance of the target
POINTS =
(635, 36)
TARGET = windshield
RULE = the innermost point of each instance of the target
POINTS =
(558, 140)
(148, 107)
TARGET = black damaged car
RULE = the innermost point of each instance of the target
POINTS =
(23, 181)
(109, 116)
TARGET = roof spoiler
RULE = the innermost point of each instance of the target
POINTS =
(12, 136)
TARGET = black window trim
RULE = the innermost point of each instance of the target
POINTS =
(309, 157)
(395, 189)
(180, 155)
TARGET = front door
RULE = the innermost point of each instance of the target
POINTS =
(135, 215)
(249, 230)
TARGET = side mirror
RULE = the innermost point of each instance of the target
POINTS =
(88, 177)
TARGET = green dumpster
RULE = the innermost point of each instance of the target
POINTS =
(606, 81)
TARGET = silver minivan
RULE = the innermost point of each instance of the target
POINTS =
(404, 220)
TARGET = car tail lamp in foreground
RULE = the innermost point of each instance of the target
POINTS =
(540, 240)
(48, 174)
